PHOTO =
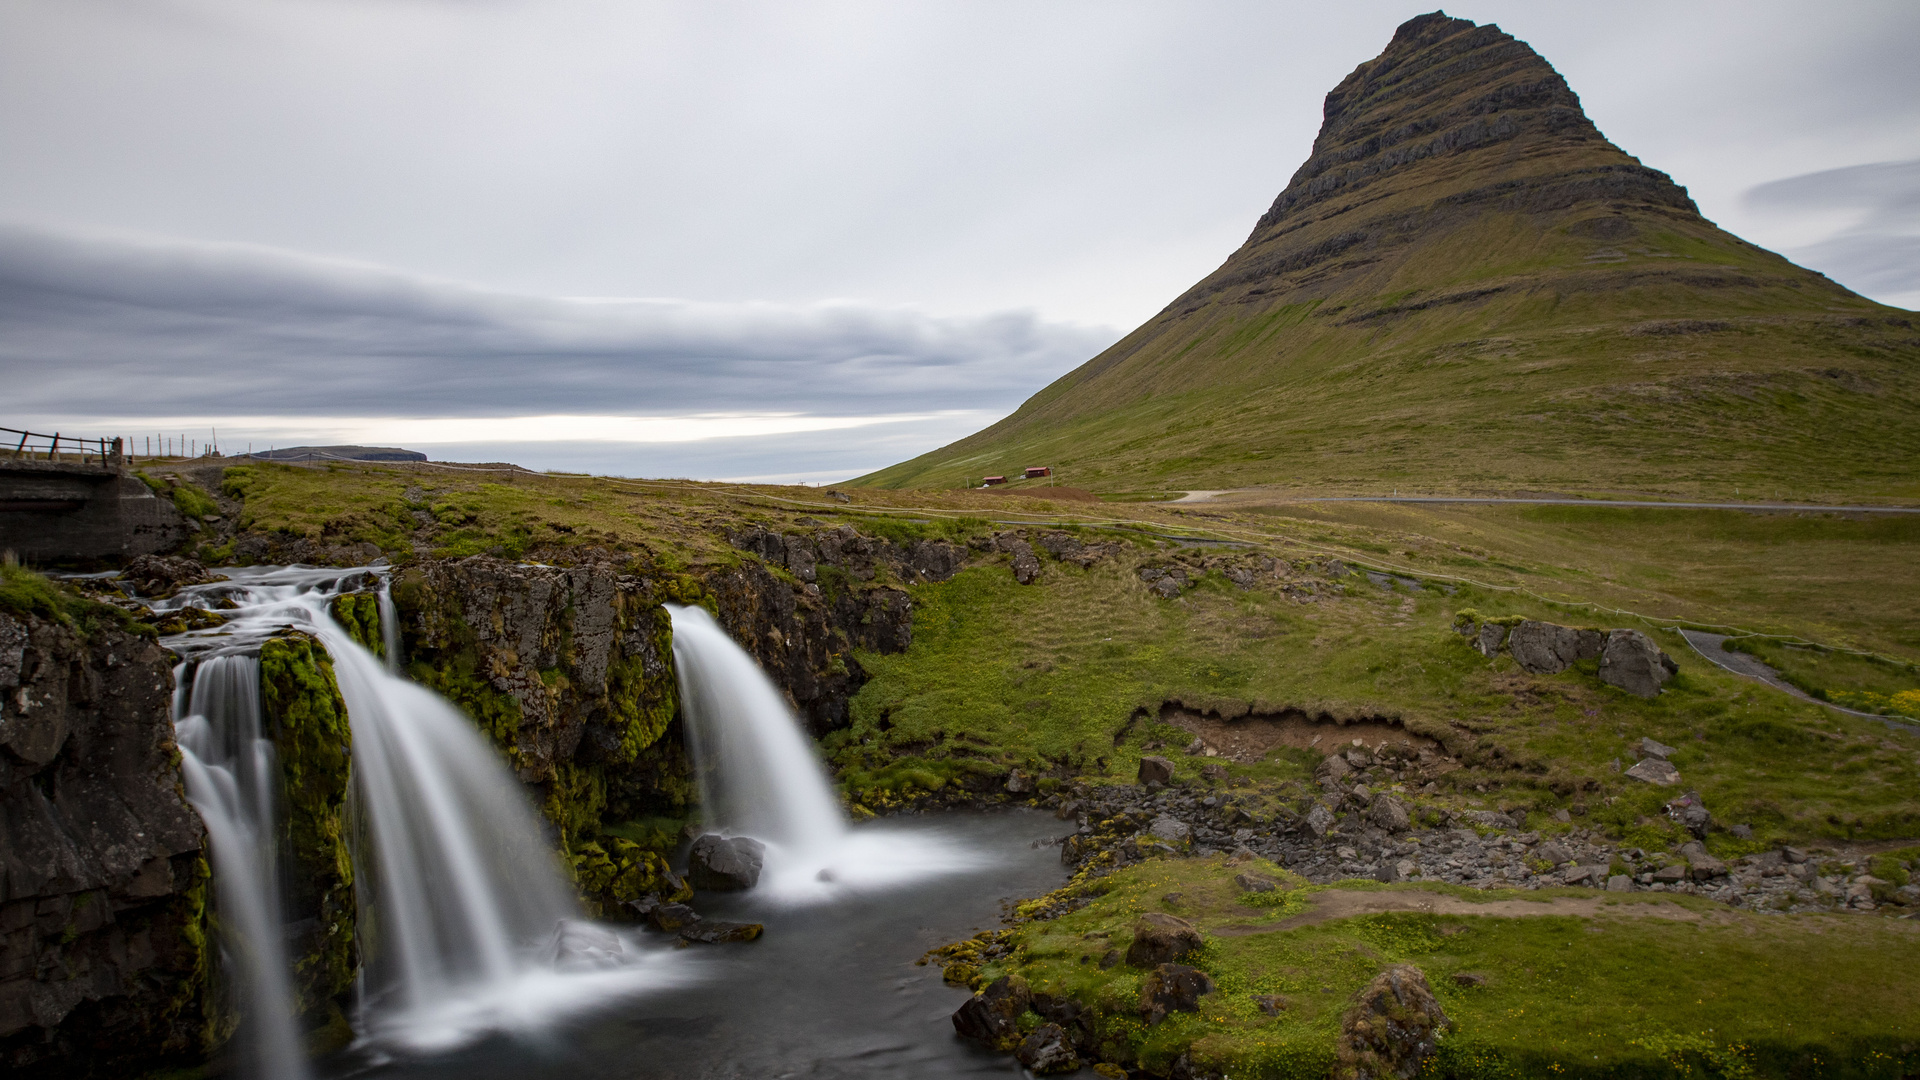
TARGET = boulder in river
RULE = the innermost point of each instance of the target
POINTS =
(1159, 939)
(718, 931)
(157, 576)
(1545, 648)
(1172, 988)
(725, 864)
(1393, 1027)
(1631, 661)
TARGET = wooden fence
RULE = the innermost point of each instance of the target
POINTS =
(32, 445)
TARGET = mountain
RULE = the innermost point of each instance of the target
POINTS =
(1468, 287)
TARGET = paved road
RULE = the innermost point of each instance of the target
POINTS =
(1210, 496)
(1714, 648)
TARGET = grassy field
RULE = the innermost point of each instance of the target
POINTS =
(1052, 677)
(1642, 985)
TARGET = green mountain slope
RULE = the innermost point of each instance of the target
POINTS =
(1468, 287)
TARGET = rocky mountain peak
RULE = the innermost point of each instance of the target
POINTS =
(1447, 103)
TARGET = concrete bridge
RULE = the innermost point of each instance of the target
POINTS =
(82, 506)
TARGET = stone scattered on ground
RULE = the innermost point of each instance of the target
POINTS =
(1655, 749)
(718, 863)
(1156, 770)
(1655, 770)
(1339, 838)
(1171, 988)
(1393, 1028)
(1160, 939)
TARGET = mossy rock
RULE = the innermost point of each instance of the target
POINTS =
(308, 722)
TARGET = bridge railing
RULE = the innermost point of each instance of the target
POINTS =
(17, 445)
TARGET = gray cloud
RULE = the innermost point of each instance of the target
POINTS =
(108, 326)
(1874, 212)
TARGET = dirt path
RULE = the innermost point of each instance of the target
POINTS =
(1338, 904)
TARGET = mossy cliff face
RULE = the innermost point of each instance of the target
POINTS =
(104, 960)
(308, 722)
(570, 670)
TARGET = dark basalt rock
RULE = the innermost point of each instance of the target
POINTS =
(721, 864)
(1161, 939)
(103, 962)
(1545, 648)
(992, 1016)
(717, 932)
(1048, 1050)
(1393, 1027)
(1172, 988)
(1155, 770)
(156, 576)
(1632, 662)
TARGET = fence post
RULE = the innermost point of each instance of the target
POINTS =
(53, 447)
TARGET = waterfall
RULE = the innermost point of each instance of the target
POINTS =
(390, 628)
(761, 777)
(467, 924)
(233, 780)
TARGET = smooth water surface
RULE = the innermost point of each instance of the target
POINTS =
(831, 990)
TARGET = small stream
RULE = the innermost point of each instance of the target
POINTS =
(831, 990)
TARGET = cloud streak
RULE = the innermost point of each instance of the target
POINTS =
(1868, 218)
(111, 326)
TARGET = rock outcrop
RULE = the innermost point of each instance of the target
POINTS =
(1393, 1028)
(1632, 662)
(1171, 988)
(1161, 939)
(103, 883)
(1545, 648)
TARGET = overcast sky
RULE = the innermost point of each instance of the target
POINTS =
(784, 240)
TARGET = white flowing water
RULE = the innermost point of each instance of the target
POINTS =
(233, 780)
(760, 777)
(467, 924)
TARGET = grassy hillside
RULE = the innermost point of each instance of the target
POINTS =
(1468, 288)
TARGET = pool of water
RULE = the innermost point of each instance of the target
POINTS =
(831, 990)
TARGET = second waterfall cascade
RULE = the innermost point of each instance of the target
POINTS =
(761, 777)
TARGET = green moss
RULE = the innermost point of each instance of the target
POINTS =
(359, 614)
(193, 502)
(308, 719)
(25, 593)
